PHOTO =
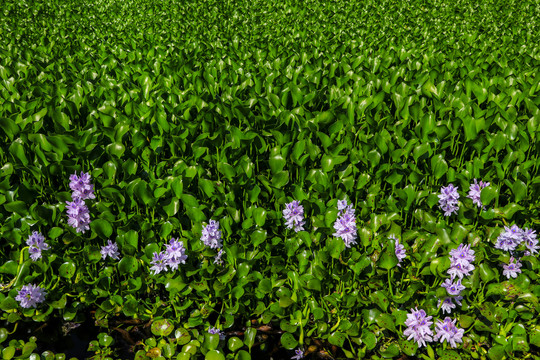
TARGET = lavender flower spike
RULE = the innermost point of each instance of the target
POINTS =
(294, 216)
(111, 249)
(447, 305)
(512, 269)
(399, 250)
(36, 243)
(448, 200)
(510, 238)
(78, 215)
(345, 224)
(299, 354)
(418, 327)
(81, 186)
(175, 254)
(453, 288)
(30, 296)
(448, 331)
(531, 243)
(159, 263)
(474, 192)
(211, 235)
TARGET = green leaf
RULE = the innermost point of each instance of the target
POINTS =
(386, 321)
(488, 194)
(439, 167)
(67, 269)
(128, 265)
(249, 337)
(162, 327)
(288, 341)
(337, 339)
(102, 227)
(214, 355)
(234, 343)
(280, 179)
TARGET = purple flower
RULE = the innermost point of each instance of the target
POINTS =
(36, 244)
(294, 216)
(211, 235)
(460, 261)
(111, 249)
(78, 215)
(448, 200)
(175, 254)
(460, 270)
(529, 237)
(453, 288)
(30, 295)
(214, 331)
(447, 305)
(218, 260)
(159, 263)
(399, 249)
(462, 255)
(299, 354)
(345, 224)
(81, 187)
(510, 238)
(418, 327)
(345, 227)
(512, 269)
(474, 192)
(447, 330)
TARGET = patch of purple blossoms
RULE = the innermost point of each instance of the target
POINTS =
(81, 186)
(447, 330)
(111, 249)
(294, 216)
(510, 238)
(512, 269)
(78, 215)
(298, 354)
(345, 225)
(474, 192)
(175, 254)
(418, 327)
(211, 235)
(36, 244)
(461, 261)
(448, 200)
(453, 288)
(30, 296)
(531, 243)
(399, 250)
(159, 263)
(448, 303)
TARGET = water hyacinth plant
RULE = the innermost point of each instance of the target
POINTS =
(448, 331)
(261, 115)
(449, 199)
(36, 244)
(345, 225)
(211, 235)
(81, 186)
(512, 269)
(474, 192)
(31, 296)
(418, 327)
(111, 250)
(294, 216)
(78, 215)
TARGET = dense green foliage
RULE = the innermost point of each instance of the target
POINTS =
(186, 111)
